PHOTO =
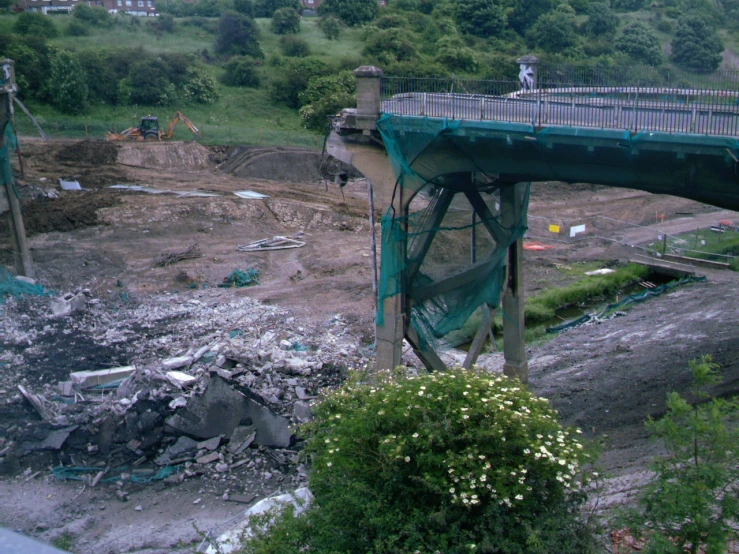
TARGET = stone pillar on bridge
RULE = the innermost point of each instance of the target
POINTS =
(529, 72)
(369, 103)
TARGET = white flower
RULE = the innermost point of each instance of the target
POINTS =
(415, 435)
(519, 497)
(407, 459)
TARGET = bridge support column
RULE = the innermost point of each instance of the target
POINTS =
(514, 341)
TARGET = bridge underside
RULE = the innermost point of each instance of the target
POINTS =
(699, 167)
(487, 164)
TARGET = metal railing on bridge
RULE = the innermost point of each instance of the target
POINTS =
(632, 98)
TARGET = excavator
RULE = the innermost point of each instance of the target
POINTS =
(149, 129)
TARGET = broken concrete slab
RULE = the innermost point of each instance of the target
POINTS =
(175, 363)
(241, 439)
(208, 458)
(54, 440)
(67, 304)
(221, 409)
(180, 379)
(182, 446)
(210, 444)
(241, 498)
(218, 411)
(87, 379)
(301, 411)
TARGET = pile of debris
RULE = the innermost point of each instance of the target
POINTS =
(215, 388)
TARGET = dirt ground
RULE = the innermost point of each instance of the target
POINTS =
(604, 378)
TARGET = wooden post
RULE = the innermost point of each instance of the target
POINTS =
(24, 265)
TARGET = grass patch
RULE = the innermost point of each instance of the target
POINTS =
(705, 244)
(543, 306)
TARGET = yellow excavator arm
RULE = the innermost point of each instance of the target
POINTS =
(173, 125)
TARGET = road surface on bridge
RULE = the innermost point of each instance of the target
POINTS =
(718, 119)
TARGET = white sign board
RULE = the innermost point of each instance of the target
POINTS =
(575, 229)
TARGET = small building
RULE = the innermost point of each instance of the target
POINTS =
(132, 7)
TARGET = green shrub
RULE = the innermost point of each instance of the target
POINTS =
(35, 23)
(294, 47)
(330, 26)
(325, 96)
(285, 20)
(77, 29)
(165, 23)
(96, 16)
(241, 71)
(69, 85)
(451, 462)
(294, 79)
(200, 88)
(692, 503)
(238, 35)
(351, 12)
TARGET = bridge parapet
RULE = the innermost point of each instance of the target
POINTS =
(634, 99)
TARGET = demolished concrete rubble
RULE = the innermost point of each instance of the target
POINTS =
(243, 364)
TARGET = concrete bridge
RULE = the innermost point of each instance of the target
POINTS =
(480, 144)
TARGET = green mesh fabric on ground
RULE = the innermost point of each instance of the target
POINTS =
(420, 250)
(10, 286)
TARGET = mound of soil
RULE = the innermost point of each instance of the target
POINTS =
(71, 211)
(165, 155)
(278, 164)
(92, 152)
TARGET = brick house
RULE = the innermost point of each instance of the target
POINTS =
(133, 7)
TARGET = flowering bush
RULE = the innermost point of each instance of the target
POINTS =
(450, 462)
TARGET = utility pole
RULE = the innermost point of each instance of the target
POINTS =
(23, 263)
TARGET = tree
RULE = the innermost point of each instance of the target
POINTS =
(294, 79)
(69, 86)
(285, 21)
(627, 5)
(200, 88)
(602, 20)
(325, 96)
(554, 31)
(527, 12)
(148, 84)
(351, 12)
(454, 461)
(35, 24)
(96, 16)
(482, 18)
(241, 71)
(330, 26)
(245, 7)
(455, 56)
(696, 46)
(165, 23)
(238, 35)
(639, 42)
(692, 503)
(391, 45)
(102, 82)
(267, 8)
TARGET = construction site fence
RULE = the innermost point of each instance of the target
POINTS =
(635, 98)
(209, 134)
(548, 229)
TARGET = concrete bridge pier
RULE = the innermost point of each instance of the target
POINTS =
(358, 143)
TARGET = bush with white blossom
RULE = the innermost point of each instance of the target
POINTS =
(450, 461)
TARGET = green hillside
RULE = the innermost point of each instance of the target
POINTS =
(244, 80)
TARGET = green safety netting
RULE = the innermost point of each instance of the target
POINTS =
(137, 475)
(10, 286)
(423, 250)
(633, 298)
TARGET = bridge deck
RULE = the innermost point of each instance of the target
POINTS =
(717, 115)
